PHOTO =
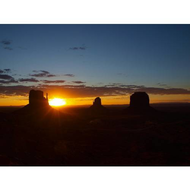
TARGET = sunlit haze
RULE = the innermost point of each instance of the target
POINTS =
(57, 102)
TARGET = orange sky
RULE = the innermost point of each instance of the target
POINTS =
(106, 100)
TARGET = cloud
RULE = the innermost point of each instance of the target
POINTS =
(42, 73)
(23, 48)
(124, 85)
(8, 81)
(78, 82)
(163, 85)
(81, 91)
(6, 77)
(5, 71)
(6, 42)
(28, 80)
(8, 48)
(78, 48)
(54, 81)
(15, 90)
(69, 75)
(122, 74)
(163, 91)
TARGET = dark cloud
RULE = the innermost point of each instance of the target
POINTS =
(81, 91)
(28, 80)
(54, 81)
(69, 75)
(78, 48)
(42, 73)
(88, 91)
(8, 48)
(5, 71)
(15, 90)
(50, 75)
(6, 77)
(164, 91)
(6, 42)
(78, 82)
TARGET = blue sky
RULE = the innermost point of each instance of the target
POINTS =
(148, 55)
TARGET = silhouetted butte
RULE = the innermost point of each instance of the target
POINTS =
(97, 107)
(36, 98)
(38, 104)
(139, 104)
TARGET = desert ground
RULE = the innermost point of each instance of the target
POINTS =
(72, 136)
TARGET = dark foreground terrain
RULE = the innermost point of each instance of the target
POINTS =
(75, 137)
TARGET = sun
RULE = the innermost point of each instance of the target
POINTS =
(57, 102)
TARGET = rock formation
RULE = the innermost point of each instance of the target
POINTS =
(139, 100)
(97, 102)
(39, 112)
(36, 98)
(97, 107)
(139, 104)
(38, 104)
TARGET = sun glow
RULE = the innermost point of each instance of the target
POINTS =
(57, 102)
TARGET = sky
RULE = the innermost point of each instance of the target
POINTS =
(81, 62)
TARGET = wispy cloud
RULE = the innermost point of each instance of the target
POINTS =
(8, 48)
(22, 48)
(122, 74)
(6, 42)
(42, 73)
(28, 80)
(69, 75)
(5, 71)
(6, 77)
(8, 81)
(54, 81)
(163, 85)
(120, 85)
(78, 82)
(78, 48)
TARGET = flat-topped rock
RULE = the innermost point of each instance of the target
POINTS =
(139, 104)
(139, 100)
(36, 98)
